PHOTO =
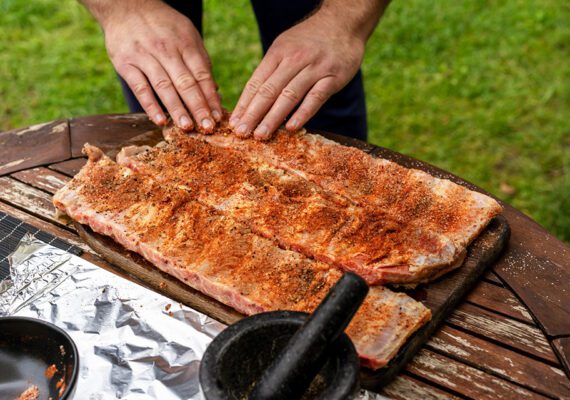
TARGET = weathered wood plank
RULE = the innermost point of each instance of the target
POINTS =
(69, 167)
(490, 276)
(509, 332)
(109, 131)
(404, 387)
(466, 380)
(562, 348)
(26, 197)
(537, 268)
(507, 364)
(42, 178)
(499, 300)
(35, 145)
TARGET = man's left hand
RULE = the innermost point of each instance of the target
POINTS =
(306, 64)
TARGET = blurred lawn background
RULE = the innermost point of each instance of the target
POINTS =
(480, 88)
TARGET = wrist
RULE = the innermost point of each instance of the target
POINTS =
(340, 27)
(356, 19)
(107, 12)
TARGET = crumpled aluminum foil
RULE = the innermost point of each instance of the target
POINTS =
(133, 343)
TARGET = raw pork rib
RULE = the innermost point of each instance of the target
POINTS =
(294, 212)
(449, 212)
(221, 257)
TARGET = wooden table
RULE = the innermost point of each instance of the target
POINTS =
(492, 346)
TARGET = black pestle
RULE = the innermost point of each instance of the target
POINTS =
(292, 371)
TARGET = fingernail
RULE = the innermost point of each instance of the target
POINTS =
(242, 129)
(159, 119)
(217, 116)
(185, 122)
(261, 132)
(207, 123)
(293, 125)
(234, 121)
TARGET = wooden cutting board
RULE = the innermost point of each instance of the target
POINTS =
(441, 296)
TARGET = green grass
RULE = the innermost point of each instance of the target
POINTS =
(480, 88)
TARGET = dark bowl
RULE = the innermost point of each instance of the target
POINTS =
(27, 348)
(236, 358)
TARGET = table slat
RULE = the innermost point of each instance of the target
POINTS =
(35, 145)
(490, 276)
(499, 300)
(405, 387)
(562, 347)
(509, 332)
(69, 167)
(42, 178)
(465, 380)
(537, 268)
(108, 131)
(31, 199)
(504, 363)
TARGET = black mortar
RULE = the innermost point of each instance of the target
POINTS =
(238, 356)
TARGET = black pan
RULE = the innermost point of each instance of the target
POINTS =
(28, 347)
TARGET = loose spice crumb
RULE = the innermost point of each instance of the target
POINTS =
(50, 371)
(31, 393)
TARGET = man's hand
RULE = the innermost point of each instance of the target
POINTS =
(152, 46)
(306, 64)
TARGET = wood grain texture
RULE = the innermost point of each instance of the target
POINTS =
(496, 360)
(562, 348)
(35, 145)
(508, 332)
(109, 131)
(465, 380)
(490, 276)
(404, 387)
(42, 178)
(542, 283)
(499, 300)
(28, 198)
(69, 167)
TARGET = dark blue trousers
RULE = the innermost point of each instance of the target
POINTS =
(344, 113)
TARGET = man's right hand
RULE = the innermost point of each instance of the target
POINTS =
(152, 46)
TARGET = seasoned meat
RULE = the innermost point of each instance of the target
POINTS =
(222, 257)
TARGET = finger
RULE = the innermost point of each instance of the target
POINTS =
(290, 96)
(260, 75)
(317, 96)
(189, 91)
(201, 71)
(143, 92)
(265, 97)
(166, 91)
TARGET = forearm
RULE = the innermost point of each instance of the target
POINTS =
(105, 10)
(357, 17)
